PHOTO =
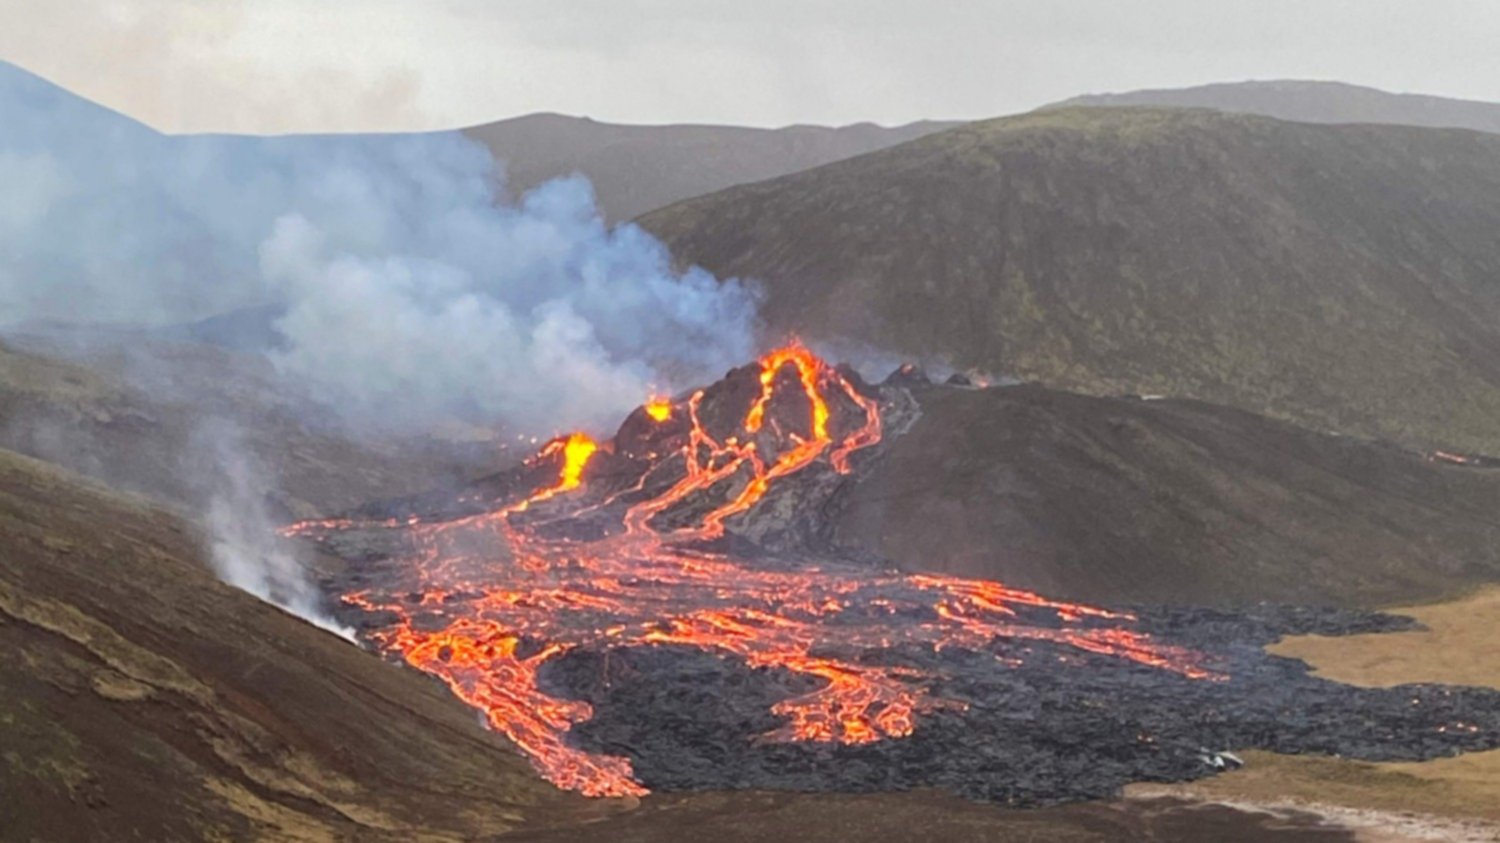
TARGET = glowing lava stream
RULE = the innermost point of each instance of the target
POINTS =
(499, 595)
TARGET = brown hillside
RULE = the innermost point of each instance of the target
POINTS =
(1347, 277)
(142, 699)
(1127, 501)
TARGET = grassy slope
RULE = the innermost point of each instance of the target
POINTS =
(142, 699)
(1119, 500)
(1346, 277)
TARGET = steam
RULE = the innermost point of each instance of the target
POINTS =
(542, 316)
(401, 284)
(410, 291)
(245, 549)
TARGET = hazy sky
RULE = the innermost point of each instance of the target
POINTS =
(339, 65)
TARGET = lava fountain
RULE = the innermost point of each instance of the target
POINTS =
(632, 543)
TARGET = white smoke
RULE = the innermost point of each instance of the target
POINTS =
(412, 291)
(245, 550)
(406, 289)
(555, 321)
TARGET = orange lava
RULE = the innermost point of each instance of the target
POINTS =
(659, 409)
(576, 450)
(494, 597)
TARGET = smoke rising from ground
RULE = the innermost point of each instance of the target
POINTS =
(412, 291)
(402, 288)
(245, 549)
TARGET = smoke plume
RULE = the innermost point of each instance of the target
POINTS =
(244, 548)
(396, 280)
(409, 288)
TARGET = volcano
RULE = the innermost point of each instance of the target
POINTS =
(669, 609)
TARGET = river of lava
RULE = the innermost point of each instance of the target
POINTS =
(489, 599)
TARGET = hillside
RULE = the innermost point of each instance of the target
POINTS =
(1314, 102)
(1346, 277)
(636, 169)
(1127, 501)
(151, 418)
(142, 699)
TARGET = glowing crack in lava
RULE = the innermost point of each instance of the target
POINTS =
(659, 409)
(627, 551)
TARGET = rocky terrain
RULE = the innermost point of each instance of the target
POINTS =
(1056, 728)
(696, 651)
(143, 698)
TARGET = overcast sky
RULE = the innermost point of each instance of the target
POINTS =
(341, 65)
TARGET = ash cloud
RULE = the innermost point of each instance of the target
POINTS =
(410, 289)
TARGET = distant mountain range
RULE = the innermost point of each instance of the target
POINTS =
(1314, 102)
(636, 169)
(1347, 277)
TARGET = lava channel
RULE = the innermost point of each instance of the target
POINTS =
(485, 600)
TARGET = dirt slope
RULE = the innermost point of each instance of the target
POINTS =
(142, 699)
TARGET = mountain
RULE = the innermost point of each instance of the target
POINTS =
(1313, 102)
(141, 699)
(636, 169)
(1346, 277)
(1116, 500)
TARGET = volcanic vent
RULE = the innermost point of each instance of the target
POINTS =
(663, 610)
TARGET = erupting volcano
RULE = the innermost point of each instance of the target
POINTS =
(695, 530)
(487, 621)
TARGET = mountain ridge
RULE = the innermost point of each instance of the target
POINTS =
(1345, 277)
(1311, 101)
(639, 168)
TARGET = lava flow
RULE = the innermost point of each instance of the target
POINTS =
(629, 545)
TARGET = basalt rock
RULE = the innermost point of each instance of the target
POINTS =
(1058, 727)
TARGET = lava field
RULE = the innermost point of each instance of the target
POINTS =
(665, 611)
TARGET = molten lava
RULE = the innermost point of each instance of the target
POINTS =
(659, 409)
(492, 598)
